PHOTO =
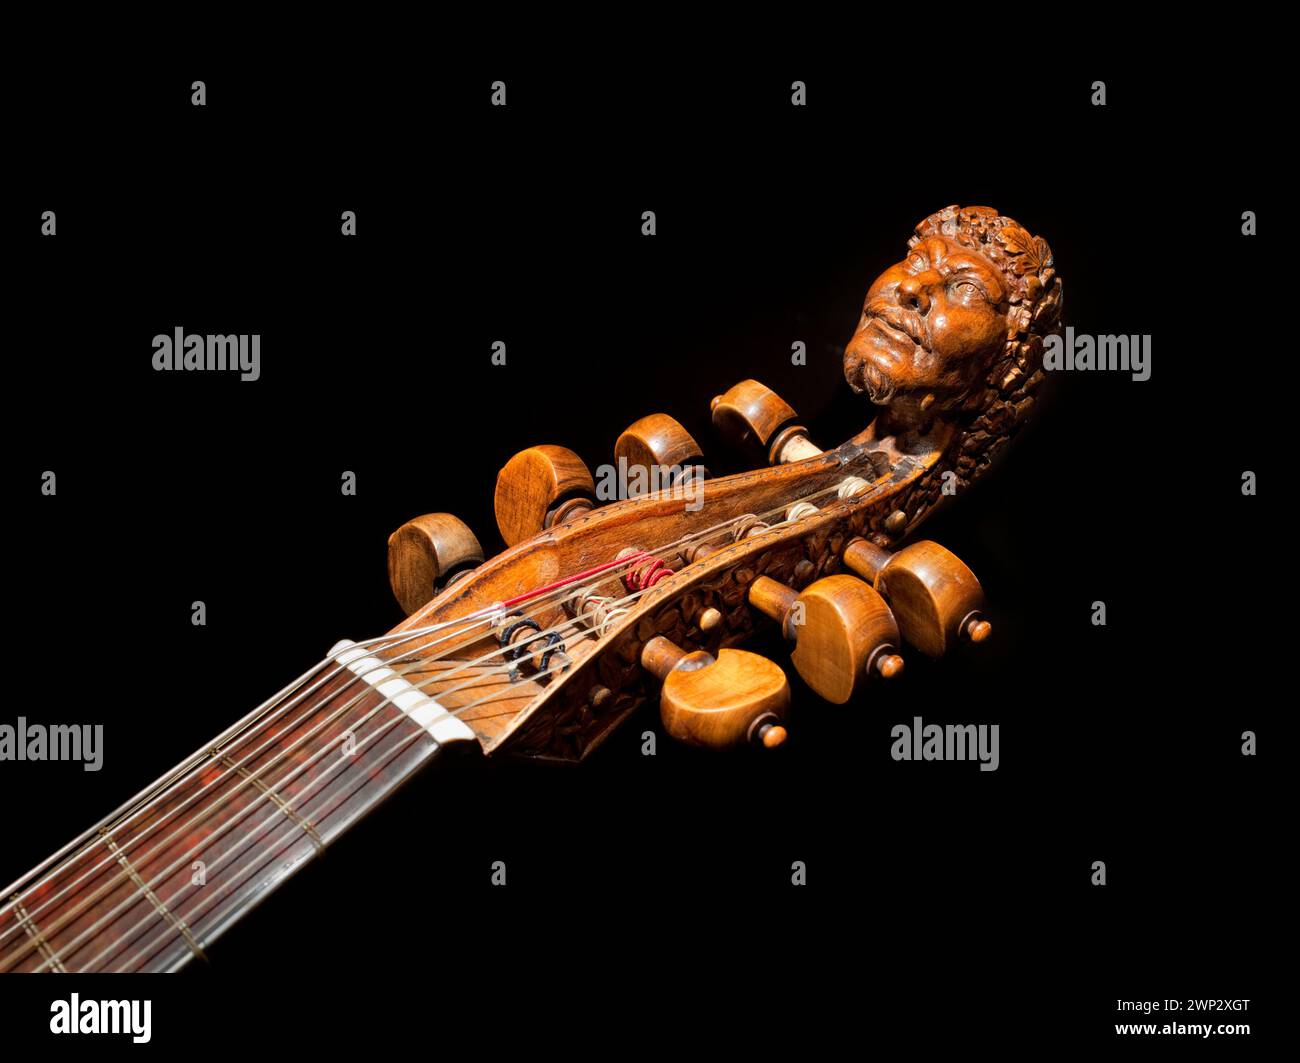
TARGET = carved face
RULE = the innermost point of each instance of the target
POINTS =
(931, 327)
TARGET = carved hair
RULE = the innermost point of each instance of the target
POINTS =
(1033, 313)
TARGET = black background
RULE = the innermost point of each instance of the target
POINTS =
(941, 900)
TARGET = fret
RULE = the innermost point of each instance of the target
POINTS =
(104, 907)
(34, 933)
(252, 811)
(346, 801)
(277, 848)
(101, 885)
(149, 894)
(276, 800)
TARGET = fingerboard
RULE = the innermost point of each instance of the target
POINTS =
(153, 889)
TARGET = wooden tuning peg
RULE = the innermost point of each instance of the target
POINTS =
(659, 443)
(427, 554)
(936, 598)
(718, 702)
(752, 415)
(540, 487)
(842, 630)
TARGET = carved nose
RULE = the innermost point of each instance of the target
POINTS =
(911, 294)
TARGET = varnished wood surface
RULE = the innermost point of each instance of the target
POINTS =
(749, 413)
(424, 553)
(531, 485)
(773, 599)
(716, 703)
(846, 625)
(841, 628)
(947, 409)
(657, 440)
(598, 536)
(951, 364)
(934, 595)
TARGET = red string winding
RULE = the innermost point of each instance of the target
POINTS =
(642, 576)
(646, 571)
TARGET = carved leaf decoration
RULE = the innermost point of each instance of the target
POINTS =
(1032, 255)
(1015, 240)
(1022, 264)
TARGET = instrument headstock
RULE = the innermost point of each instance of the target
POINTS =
(596, 605)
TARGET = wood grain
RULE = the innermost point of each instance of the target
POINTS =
(531, 487)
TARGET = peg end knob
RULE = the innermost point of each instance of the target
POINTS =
(889, 665)
(769, 734)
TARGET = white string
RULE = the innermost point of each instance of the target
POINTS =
(252, 778)
(68, 949)
(482, 616)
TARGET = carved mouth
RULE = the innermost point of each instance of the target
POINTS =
(879, 359)
(893, 333)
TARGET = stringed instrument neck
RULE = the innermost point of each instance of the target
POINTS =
(152, 886)
(149, 888)
(591, 610)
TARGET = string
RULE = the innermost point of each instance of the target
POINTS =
(193, 915)
(482, 616)
(69, 948)
(201, 758)
(197, 758)
(151, 795)
(251, 779)
(267, 844)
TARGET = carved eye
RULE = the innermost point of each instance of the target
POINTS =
(916, 262)
(967, 289)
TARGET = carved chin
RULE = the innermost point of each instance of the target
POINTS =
(909, 398)
(872, 374)
(879, 387)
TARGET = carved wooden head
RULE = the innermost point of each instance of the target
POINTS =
(956, 328)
